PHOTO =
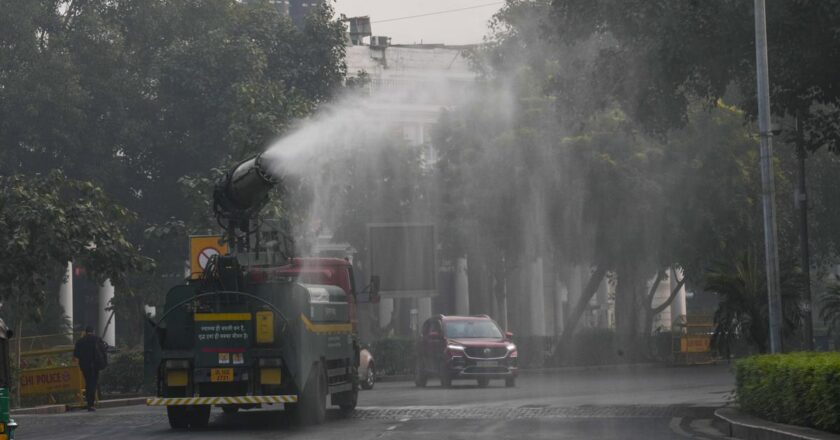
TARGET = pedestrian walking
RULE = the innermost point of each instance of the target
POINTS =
(92, 356)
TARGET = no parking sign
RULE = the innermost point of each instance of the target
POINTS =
(202, 248)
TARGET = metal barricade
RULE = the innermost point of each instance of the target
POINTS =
(47, 370)
(693, 340)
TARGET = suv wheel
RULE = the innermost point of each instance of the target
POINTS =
(510, 382)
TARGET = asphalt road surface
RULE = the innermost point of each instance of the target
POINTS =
(604, 403)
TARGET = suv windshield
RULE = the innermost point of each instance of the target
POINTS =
(472, 329)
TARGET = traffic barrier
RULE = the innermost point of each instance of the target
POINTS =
(221, 400)
(47, 368)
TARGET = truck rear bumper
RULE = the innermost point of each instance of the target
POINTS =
(220, 400)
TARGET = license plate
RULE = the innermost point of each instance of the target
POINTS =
(221, 375)
(487, 363)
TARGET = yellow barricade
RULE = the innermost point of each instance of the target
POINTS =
(51, 381)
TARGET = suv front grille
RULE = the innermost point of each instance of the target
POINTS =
(486, 353)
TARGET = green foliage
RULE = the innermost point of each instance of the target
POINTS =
(829, 308)
(742, 307)
(143, 98)
(798, 388)
(615, 126)
(394, 356)
(665, 53)
(47, 221)
(124, 374)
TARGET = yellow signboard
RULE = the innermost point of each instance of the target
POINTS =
(51, 380)
(202, 248)
(265, 327)
(695, 344)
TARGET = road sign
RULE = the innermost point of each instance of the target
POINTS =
(202, 248)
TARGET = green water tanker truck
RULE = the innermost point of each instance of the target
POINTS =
(257, 327)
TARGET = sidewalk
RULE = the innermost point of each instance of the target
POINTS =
(62, 408)
(742, 426)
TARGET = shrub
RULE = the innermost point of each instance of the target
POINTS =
(394, 355)
(589, 346)
(124, 373)
(797, 388)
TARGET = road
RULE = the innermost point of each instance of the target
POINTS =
(599, 403)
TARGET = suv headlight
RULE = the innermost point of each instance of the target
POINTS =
(511, 347)
(455, 347)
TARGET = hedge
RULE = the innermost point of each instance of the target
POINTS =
(797, 388)
(394, 356)
(124, 373)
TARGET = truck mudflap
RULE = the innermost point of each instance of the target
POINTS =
(220, 400)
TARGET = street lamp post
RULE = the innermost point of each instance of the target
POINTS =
(802, 206)
(771, 253)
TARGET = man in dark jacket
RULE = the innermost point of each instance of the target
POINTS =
(90, 351)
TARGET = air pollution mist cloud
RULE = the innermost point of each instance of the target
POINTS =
(355, 143)
(503, 191)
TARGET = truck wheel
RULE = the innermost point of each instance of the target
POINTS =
(347, 401)
(312, 408)
(178, 417)
(200, 416)
(370, 377)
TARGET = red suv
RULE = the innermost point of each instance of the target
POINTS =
(465, 347)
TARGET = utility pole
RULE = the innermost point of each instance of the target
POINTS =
(802, 206)
(771, 253)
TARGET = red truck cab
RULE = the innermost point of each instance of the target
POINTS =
(312, 270)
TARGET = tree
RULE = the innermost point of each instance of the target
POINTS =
(742, 311)
(665, 53)
(143, 97)
(48, 221)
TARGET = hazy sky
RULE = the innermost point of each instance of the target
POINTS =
(461, 27)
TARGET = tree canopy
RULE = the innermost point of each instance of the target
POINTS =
(47, 221)
(143, 98)
(660, 54)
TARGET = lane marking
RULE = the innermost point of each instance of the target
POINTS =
(391, 428)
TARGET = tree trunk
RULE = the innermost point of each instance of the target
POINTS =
(626, 312)
(591, 287)
(648, 305)
(651, 312)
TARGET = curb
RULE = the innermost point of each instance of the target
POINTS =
(45, 409)
(396, 378)
(572, 368)
(536, 371)
(746, 427)
(115, 403)
(59, 409)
